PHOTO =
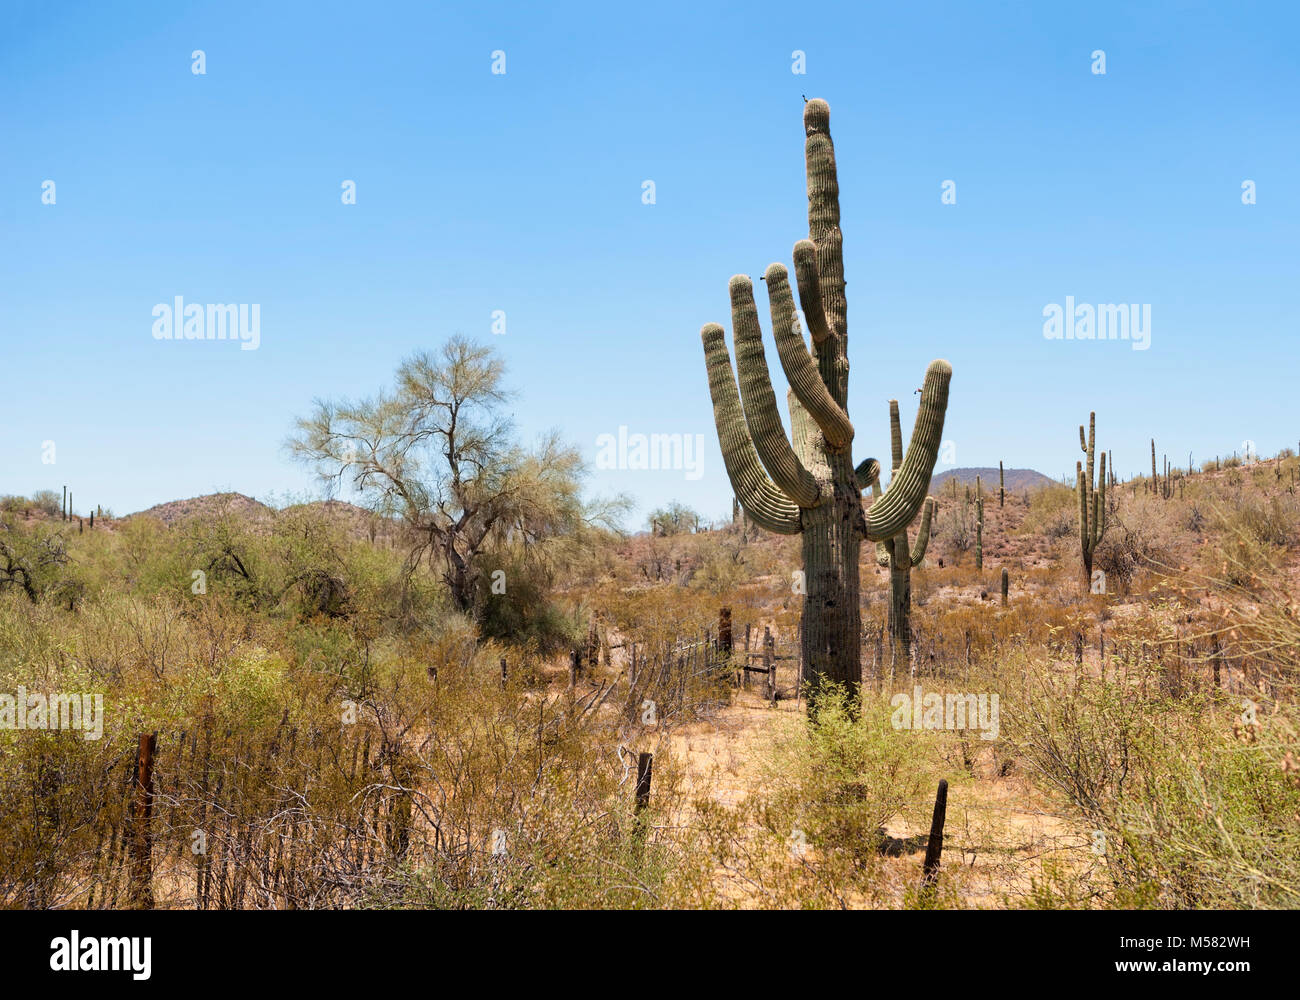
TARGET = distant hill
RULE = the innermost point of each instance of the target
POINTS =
(1017, 480)
(357, 521)
(211, 505)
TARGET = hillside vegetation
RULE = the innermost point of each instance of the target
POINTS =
(333, 730)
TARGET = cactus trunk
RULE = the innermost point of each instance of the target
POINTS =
(832, 614)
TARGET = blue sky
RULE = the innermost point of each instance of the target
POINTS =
(522, 192)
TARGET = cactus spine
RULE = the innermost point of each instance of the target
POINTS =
(810, 488)
(895, 552)
(1092, 502)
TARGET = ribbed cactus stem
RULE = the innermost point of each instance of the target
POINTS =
(808, 485)
(910, 486)
(800, 369)
(765, 505)
(1006, 583)
(923, 533)
(894, 554)
(979, 527)
(895, 439)
(1002, 487)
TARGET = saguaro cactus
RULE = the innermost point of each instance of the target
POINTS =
(979, 524)
(895, 552)
(1092, 501)
(811, 488)
(1002, 487)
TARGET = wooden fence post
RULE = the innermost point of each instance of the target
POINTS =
(769, 662)
(798, 663)
(141, 809)
(744, 673)
(644, 770)
(934, 846)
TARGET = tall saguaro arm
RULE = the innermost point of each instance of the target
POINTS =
(766, 506)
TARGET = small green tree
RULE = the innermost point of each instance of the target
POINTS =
(438, 451)
(31, 560)
(673, 519)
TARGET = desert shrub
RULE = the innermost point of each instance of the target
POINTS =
(673, 519)
(1272, 521)
(515, 600)
(1252, 533)
(1188, 813)
(953, 532)
(1141, 533)
(48, 502)
(227, 550)
(33, 559)
(812, 835)
(720, 563)
(1053, 511)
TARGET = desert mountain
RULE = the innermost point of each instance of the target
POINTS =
(1017, 480)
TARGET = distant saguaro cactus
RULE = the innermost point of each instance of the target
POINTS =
(1006, 584)
(1092, 501)
(1002, 487)
(895, 552)
(811, 488)
(979, 524)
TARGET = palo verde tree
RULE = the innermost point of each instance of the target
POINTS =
(674, 518)
(438, 451)
(810, 488)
